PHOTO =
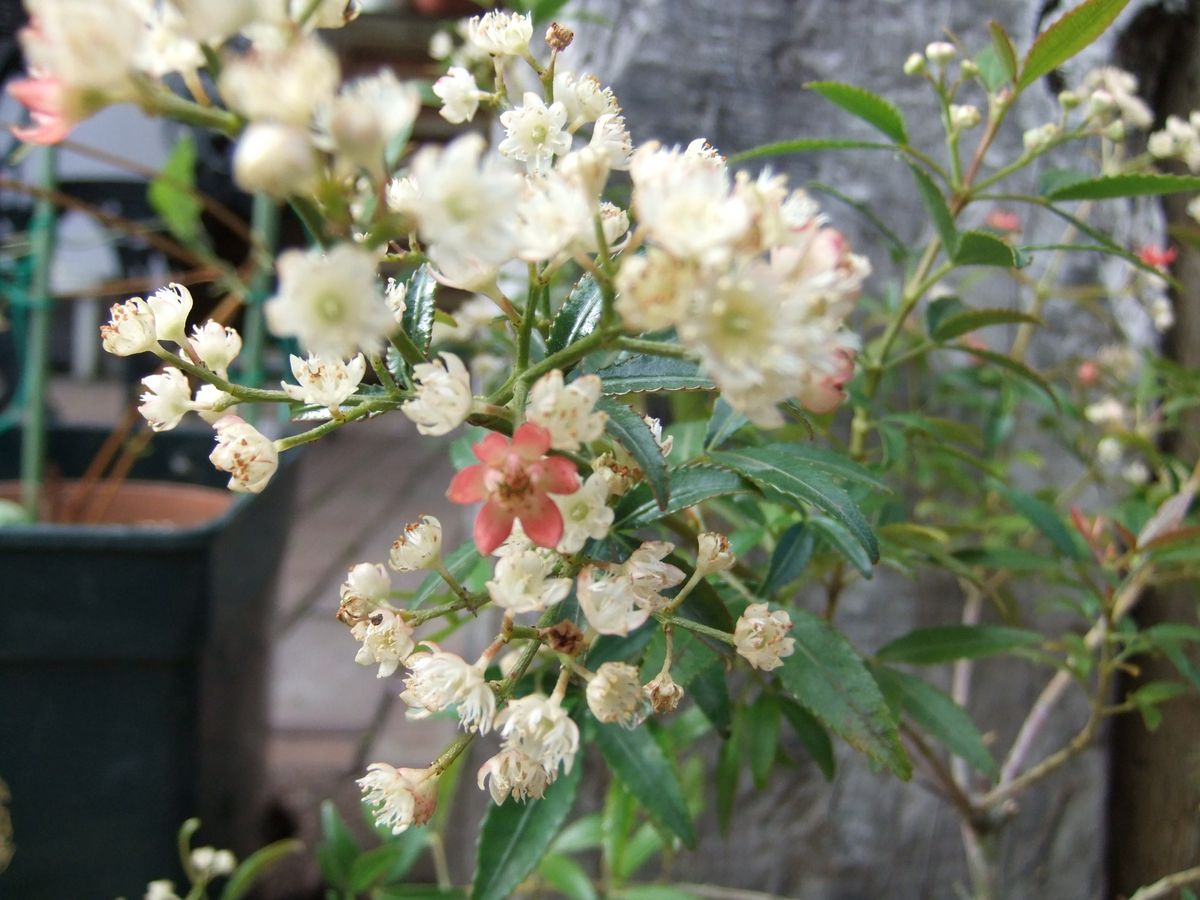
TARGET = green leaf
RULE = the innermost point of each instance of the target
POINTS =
(728, 774)
(642, 766)
(940, 309)
(991, 69)
(459, 564)
(515, 836)
(972, 319)
(788, 473)
(791, 557)
(1053, 180)
(256, 866)
(832, 463)
(827, 677)
(978, 248)
(947, 643)
(840, 538)
(812, 735)
(1008, 364)
(1133, 184)
(1067, 36)
(567, 877)
(582, 834)
(1045, 519)
(652, 892)
(724, 424)
(578, 316)
(689, 485)
(419, 309)
(643, 373)
(338, 848)
(709, 688)
(1006, 53)
(871, 108)
(631, 430)
(172, 193)
(763, 737)
(935, 205)
(938, 716)
(388, 862)
(807, 145)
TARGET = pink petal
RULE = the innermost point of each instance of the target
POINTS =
(492, 526)
(467, 486)
(492, 449)
(542, 521)
(531, 441)
(558, 475)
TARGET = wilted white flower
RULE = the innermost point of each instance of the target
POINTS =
(649, 575)
(130, 328)
(366, 587)
(171, 306)
(511, 773)
(714, 554)
(615, 695)
(760, 636)
(330, 302)
(167, 398)
(419, 547)
(386, 640)
(439, 680)
(501, 33)
(324, 381)
(401, 797)
(539, 727)
(617, 476)
(459, 95)
(536, 133)
(521, 583)
(213, 862)
(246, 454)
(281, 84)
(607, 598)
(663, 693)
(217, 345)
(211, 403)
(443, 399)
(396, 294)
(567, 411)
(275, 159)
(586, 513)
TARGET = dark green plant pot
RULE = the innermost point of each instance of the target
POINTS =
(133, 667)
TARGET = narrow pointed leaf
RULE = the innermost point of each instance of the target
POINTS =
(935, 205)
(812, 735)
(807, 145)
(419, 309)
(724, 423)
(1067, 36)
(763, 737)
(459, 564)
(1009, 364)
(1006, 53)
(1134, 184)
(578, 316)
(1045, 519)
(689, 485)
(970, 320)
(256, 866)
(841, 540)
(653, 373)
(947, 643)
(632, 432)
(791, 557)
(871, 108)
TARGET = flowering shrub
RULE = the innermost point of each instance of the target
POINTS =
(634, 568)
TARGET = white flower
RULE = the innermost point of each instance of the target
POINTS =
(615, 695)
(472, 320)
(1162, 313)
(521, 584)
(443, 399)
(1180, 139)
(1193, 208)
(584, 96)
(663, 693)
(87, 47)
(330, 302)
(285, 84)
(247, 455)
(652, 290)
(211, 403)
(649, 576)
(1109, 452)
(586, 513)
(386, 639)
(614, 222)
(130, 328)
(401, 797)
(1108, 413)
(162, 889)
(567, 411)
(539, 727)
(366, 587)
(212, 21)
(275, 159)
(510, 773)
(171, 306)
(760, 636)
(610, 138)
(396, 294)
(500, 33)
(213, 862)
(516, 542)
(656, 432)
(459, 95)
(419, 547)
(535, 133)
(714, 554)
(553, 214)
(324, 381)
(217, 345)
(367, 115)
(168, 397)
(439, 680)
(1136, 473)
(166, 45)
(940, 52)
(1113, 94)
(607, 599)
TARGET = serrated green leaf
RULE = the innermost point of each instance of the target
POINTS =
(978, 248)
(792, 554)
(1067, 36)
(763, 737)
(812, 735)
(871, 108)
(841, 540)
(256, 866)
(1045, 519)
(827, 677)
(689, 485)
(459, 564)
(1006, 53)
(172, 193)
(1133, 184)
(791, 475)
(419, 309)
(1008, 364)
(807, 145)
(938, 716)
(515, 836)
(973, 319)
(642, 766)
(941, 308)
(567, 877)
(578, 316)
(935, 205)
(1053, 180)
(724, 424)
(632, 432)
(642, 373)
(947, 643)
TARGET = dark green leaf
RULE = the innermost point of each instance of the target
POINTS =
(724, 423)
(1045, 519)
(567, 877)
(709, 688)
(966, 322)
(653, 373)
(637, 759)
(582, 834)
(652, 892)
(1005, 51)
(791, 556)
(387, 863)
(515, 836)
(802, 479)
(631, 430)
(807, 145)
(871, 108)
(940, 309)
(935, 205)
(812, 735)
(938, 716)
(1053, 180)
(256, 866)
(689, 485)
(459, 564)
(1149, 697)
(1012, 559)
(338, 848)
(1067, 36)
(762, 719)
(1133, 184)
(947, 643)
(578, 316)
(827, 677)
(172, 193)
(840, 538)
(418, 892)
(978, 248)
(1009, 364)
(729, 772)
(419, 309)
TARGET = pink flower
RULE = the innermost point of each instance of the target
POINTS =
(1158, 257)
(45, 98)
(514, 480)
(829, 391)
(1003, 220)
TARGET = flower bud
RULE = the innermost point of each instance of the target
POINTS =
(171, 306)
(963, 117)
(940, 52)
(245, 453)
(419, 547)
(211, 403)
(401, 797)
(274, 159)
(1037, 139)
(1068, 100)
(217, 345)
(130, 328)
(213, 862)
(1088, 373)
(1115, 131)
(968, 68)
(714, 554)
(914, 65)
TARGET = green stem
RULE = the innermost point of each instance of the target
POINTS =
(158, 99)
(325, 428)
(667, 619)
(440, 567)
(310, 215)
(559, 360)
(237, 391)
